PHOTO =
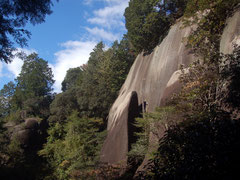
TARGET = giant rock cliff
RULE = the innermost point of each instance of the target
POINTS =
(153, 78)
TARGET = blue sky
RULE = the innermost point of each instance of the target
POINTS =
(69, 34)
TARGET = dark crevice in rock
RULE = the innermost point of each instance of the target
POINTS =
(133, 112)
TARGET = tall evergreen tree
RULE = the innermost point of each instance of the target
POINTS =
(72, 77)
(34, 86)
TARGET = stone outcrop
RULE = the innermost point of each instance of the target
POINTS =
(28, 135)
(154, 78)
(173, 86)
(117, 144)
(231, 34)
(27, 132)
(148, 78)
(230, 38)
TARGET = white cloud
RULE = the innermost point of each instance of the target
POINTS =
(108, 24)
(75, 54)
(102, 34)
(111, 16)
(15, 66)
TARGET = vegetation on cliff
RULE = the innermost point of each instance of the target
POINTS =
(201, 138)
(204, 141)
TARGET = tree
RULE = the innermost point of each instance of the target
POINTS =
(201, 148)
(14, 15)
(229, 80)
(148, 21)
(6, 95)
(63, 105)
(194, 6)
(72, 77)
(72, 149)
(103, 77)
(87, 91)
(34, 86)
(111, 74)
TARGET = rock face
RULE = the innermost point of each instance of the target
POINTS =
(231, 34)
(153, 79)
(117, 144)
(148, 78)
(173, 86)
(28, 135)
(230, 38)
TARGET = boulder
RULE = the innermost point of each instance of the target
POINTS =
(27, 133)
(31, 123)
(24, 136)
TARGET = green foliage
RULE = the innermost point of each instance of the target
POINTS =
(148, 22)
(14, 148)
(73, 146)
(3, 144)
(229, 76)
(14, 15)
(76, 127)
(30, 97)
(197, 149)
(73, 76)
(6, 95)
(87, 95)
(162, 118)
(139, 149)
(63, 105)
(205, 141)
(210, 17)
(14, 117)
(194, 6)
(75, 115)
(34, 86)
(17, 163)
(36, 77)
(103, 77)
